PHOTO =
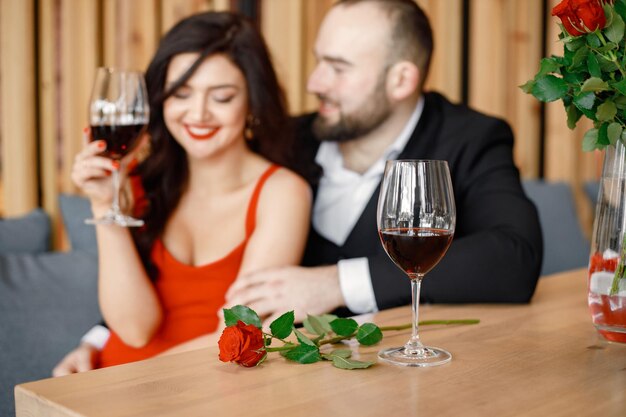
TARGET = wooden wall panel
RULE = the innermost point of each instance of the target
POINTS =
(505, 49)
(173, 11)
(78, 57)
(48, 116)
(220, 5)
(279, 17)
(19, 116)
(314, 10)
(446, 66)
(131, 32)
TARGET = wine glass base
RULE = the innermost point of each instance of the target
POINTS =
(117, 219)
(427, 356)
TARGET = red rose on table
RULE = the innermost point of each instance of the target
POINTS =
(242, 344)
(580, 16)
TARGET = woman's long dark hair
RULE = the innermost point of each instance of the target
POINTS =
(164, 173)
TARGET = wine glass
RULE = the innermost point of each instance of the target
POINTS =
(416, 218)
(118, 113)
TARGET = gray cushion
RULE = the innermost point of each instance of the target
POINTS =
(564, 245)
(47, 302)
(26, 234)
(74, 210)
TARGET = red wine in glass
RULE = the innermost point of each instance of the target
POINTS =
(416, 250)
(120, 139)
(118, 111)
(416, 218)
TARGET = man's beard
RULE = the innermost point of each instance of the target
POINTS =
(373, 113)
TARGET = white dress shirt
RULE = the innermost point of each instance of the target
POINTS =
(341, 198)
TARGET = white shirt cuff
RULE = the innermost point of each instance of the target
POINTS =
(356, 285)
(97, 337)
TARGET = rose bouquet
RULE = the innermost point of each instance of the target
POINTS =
(590, 78)
(245, 343)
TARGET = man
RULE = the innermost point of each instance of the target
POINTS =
(373, 57)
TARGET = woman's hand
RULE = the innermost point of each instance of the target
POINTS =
(92, 173)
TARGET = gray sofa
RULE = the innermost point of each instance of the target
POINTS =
(48, 299)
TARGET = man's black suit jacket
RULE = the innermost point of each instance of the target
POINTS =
(497, 249)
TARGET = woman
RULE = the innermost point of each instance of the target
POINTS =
(214, 201)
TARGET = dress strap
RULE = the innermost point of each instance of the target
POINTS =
(251, 215)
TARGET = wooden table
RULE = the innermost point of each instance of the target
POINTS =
(542, 359)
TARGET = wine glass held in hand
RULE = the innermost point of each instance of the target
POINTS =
(416, 219)
(118, 113)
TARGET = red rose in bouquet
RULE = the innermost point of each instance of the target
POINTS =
(580, 16)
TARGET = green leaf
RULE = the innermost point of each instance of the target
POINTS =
(324, 320)
(528, 87)
(593, 66)
(590, 140)
(589, 114)
(303, 339)
(620, 102)
(606, 65)
(603, 135)
(547, 66)
(369, 334)
(281, 327)
(243, 313)
(620, 8)
(593, 40)
(610, 46)
(303, 354)
(345, 363)
(606, 111)
(594, 84)
(315, 325)
(608, 13)
(574, 77)
(615, 32)
(343, 353)
(578, 58)
(573, 43)
(573, 116)
(549, 88)
(614, 132)
(585, 100)
(620, 86)
(344, 327)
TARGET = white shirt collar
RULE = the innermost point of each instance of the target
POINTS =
(330, 159)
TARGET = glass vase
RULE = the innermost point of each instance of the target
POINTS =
(607, 261)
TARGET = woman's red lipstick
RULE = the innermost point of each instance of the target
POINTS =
(201, 132)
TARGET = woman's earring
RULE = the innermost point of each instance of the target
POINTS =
(248, 133)
(251, 122)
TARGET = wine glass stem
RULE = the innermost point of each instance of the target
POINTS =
(414, 346)
(115, 207)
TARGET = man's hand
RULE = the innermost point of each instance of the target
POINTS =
(81, 359)
(273, 292)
